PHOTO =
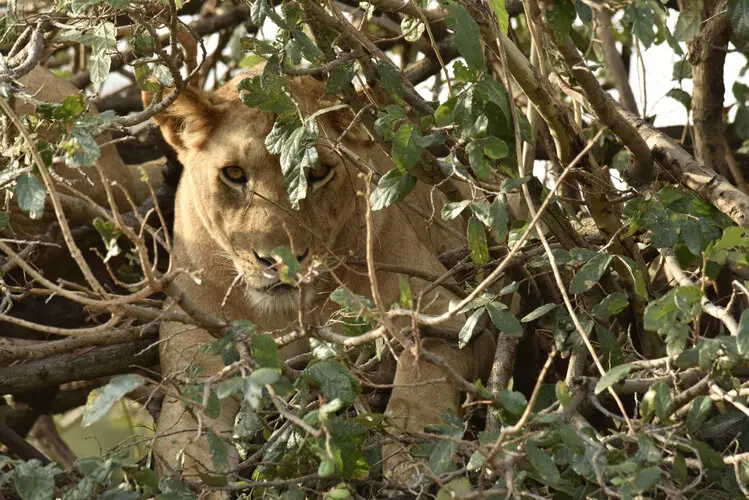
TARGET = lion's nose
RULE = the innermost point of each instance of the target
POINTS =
(266, 260)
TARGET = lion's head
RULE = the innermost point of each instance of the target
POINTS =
(232, 205)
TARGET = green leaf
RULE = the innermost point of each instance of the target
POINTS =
(469, 328)
(688, 25)
(298, 155)
(392, 188)
(103, 42)
(31, 195)
(100, 400)
(452, 209)
(265, 376)
(273, 100)
(512, 401)
(647, 478)
(743, 335)
(503, 17)
(310, 51)
(662, 400)
(640, 15)
(218, 450)
(264, 351)
(499, 219)
(560, 15)
(4, 220)
(562, 391)
(477, 161)
(477, 243)
(495, 148)
(109, 235)
(335, 381)
(81, 148)
(543, 463)
(504, 320)
(708, 456)
(406, 151)
(466, 35)
(611, 377)
(611, 305)
(288, 265)
(390, 80)
(34, 481)
(406, 299)
(698, 413)
(440, 460)
(326, 468)
(229, 387)
(738, 16)
(590, 273)
(682, 70)
(683, 97)
(340, 77)
(412, 28)
(458, 487)
(537, 313)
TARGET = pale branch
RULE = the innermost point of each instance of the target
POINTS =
(34, 52)
(709, 185)
(606, 108)
(69, 367)
(614, 62)
(682, 279)
(41, 350)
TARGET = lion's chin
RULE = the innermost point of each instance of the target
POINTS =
(277, 299)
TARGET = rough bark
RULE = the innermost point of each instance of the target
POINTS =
(707, 54)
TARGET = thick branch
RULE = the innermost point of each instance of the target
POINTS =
(710, 186)
(56, 370)
(708, 56)
(606, 108)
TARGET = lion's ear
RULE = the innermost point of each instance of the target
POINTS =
(186, 123)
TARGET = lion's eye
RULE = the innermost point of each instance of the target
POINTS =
(234, 174)
(320, 175)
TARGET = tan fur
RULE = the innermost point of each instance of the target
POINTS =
(216, 233)
(45, 86)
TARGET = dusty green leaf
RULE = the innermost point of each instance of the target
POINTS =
(406, 150)
(31, 195)
(688, 25)
(466, 35)
(504, 320)
(477, 243)
(34, 481)
(590, 273)
(503, 17)
(335, 381)
(452, 209)
(100, 400)
(469, 328)
(392, 188)
(743, 336)
(537, 313)
(218, 450)
(543, 463)
(611, 377)
(611, 305)
(698, 413)
(738, 16)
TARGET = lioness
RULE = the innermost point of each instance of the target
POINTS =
(232, 210)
